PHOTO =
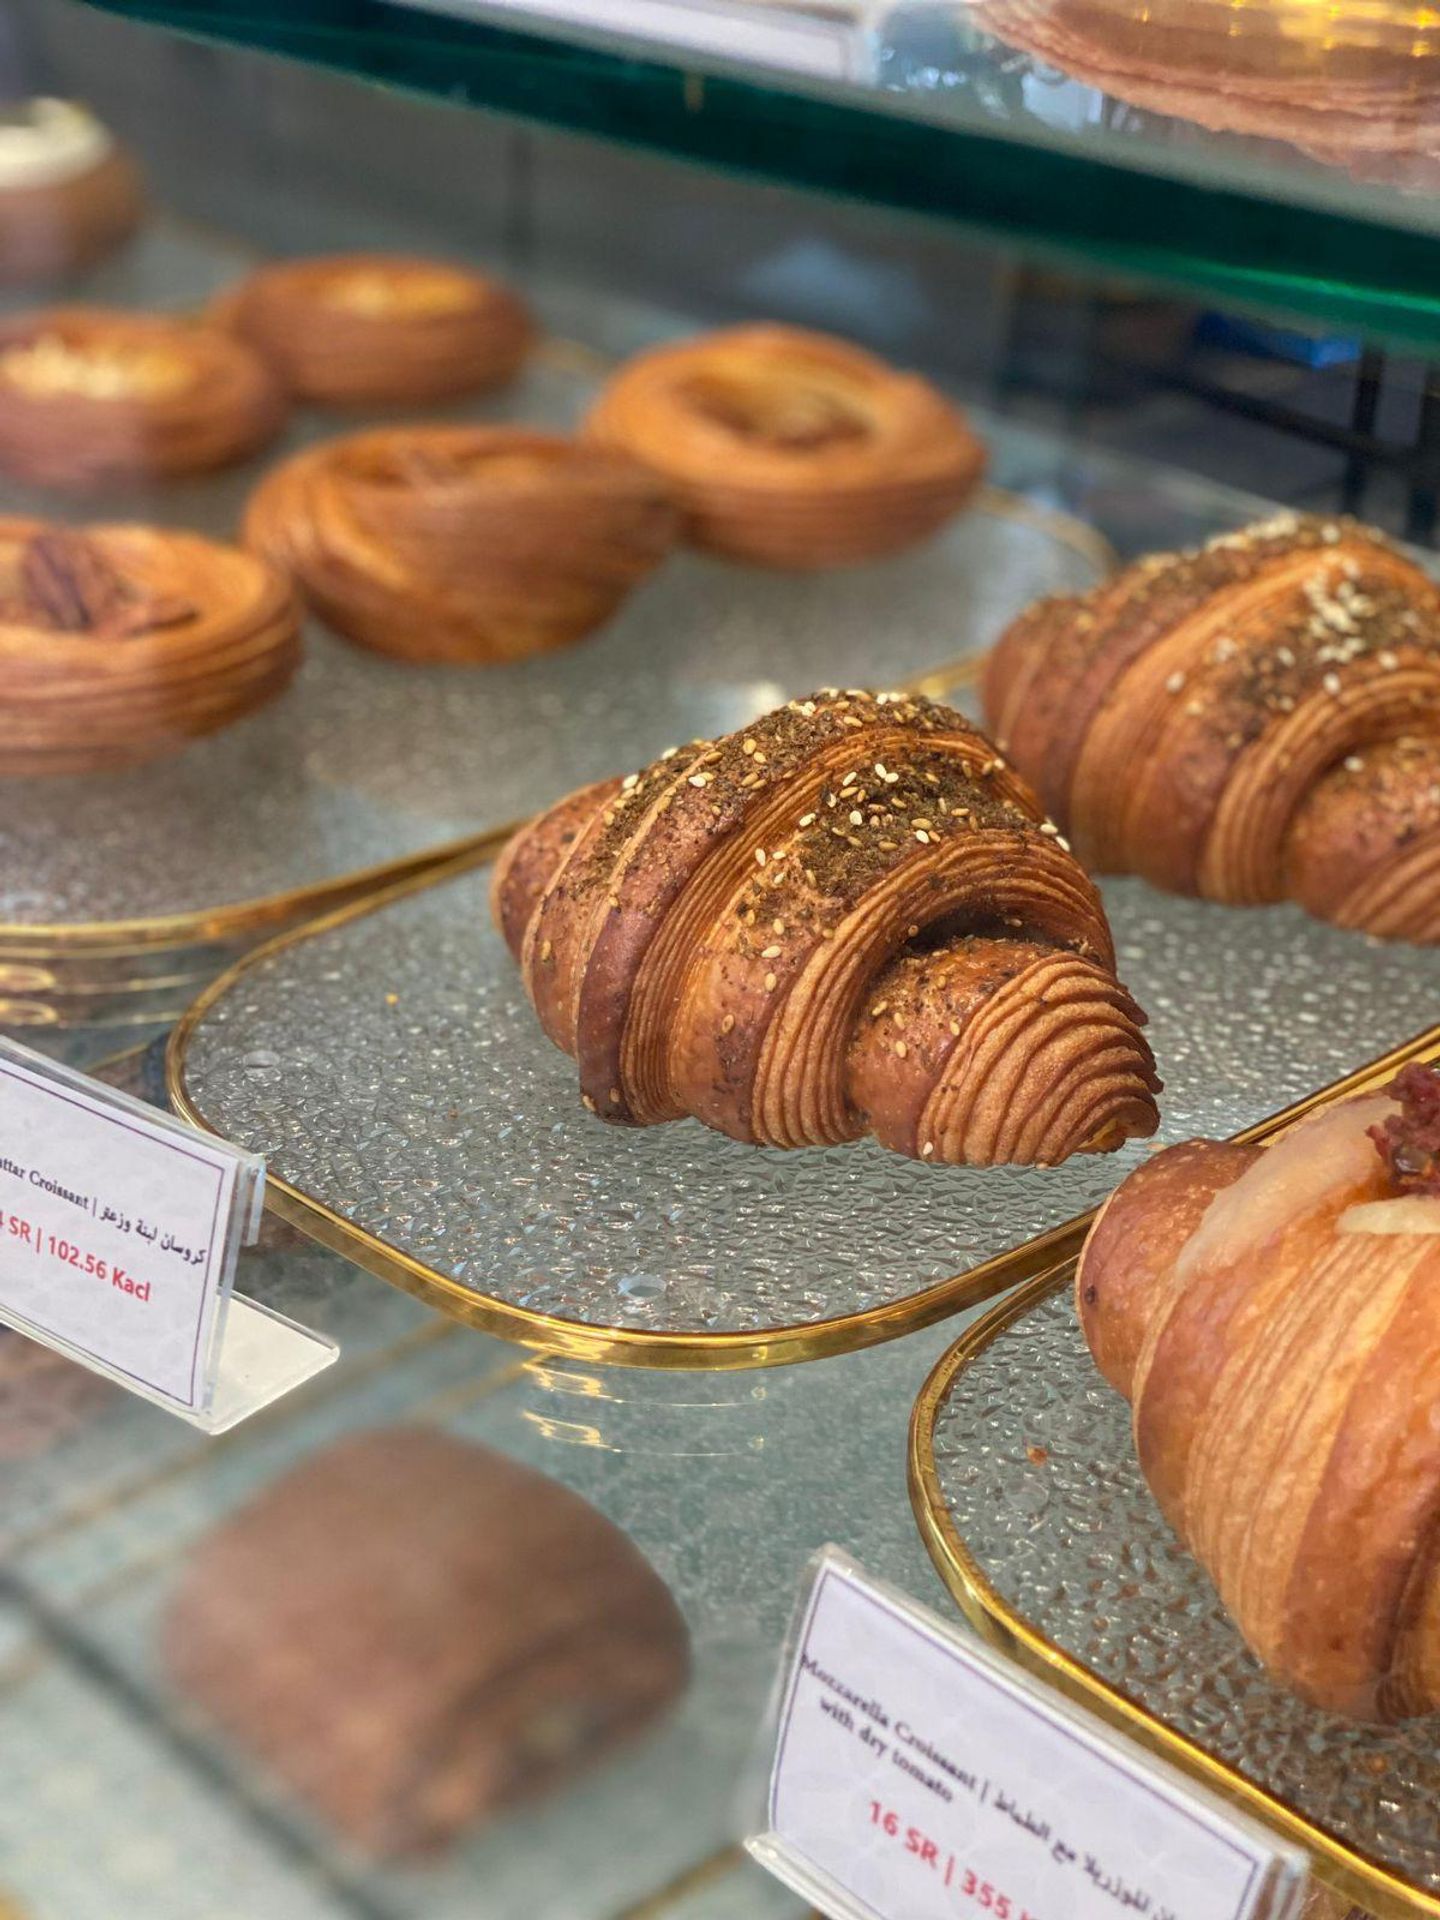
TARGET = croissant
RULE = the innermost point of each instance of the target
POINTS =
(410, 1632)
(791, 449)
(122, 643)
(68, 193)
(469, 545)
(1273, 1316)
(852, 917)
(93, 395)
(1256, 721)
(370, 329)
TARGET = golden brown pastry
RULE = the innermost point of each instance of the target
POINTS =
(791, 449)
(849, 918)
(411, 1631)
(68, 194)
(469, 545)
(1362, 92)
(90, 396)
(371, 329)
(1256, 721)
(123, 643)
(1274, 1318)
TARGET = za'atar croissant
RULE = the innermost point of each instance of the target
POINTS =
(90, 396)
(1255, 721)
(1273, 1315)
(850, 917)
(468, 545)
(791, 449)
(121, 643)
(372, 329)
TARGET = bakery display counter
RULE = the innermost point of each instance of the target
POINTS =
(1279, 154)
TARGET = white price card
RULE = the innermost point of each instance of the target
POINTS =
(918, 1776)
(119, 1233)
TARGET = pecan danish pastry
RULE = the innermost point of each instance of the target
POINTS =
(93, 395)
(123, 643)
(68, 193)
(373, 329)
(1256, 721)
(791, 449)
(1273, 1316)
(469, 545)
(849, 918)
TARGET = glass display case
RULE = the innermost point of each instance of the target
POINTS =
(333, 343)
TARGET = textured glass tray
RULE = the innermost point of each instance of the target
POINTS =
(366, 767)
(1030, 1499)
(388, 1065)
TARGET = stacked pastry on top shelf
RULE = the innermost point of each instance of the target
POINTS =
(1357, 85)
(1256, 721)
(852, 917)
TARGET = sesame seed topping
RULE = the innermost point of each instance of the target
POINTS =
(922, 836)
(614, 1096)
(587, 1103)
(770, 980)
(727, 1023)
(927, 1149)
(1175, 682)
(759, 856)
(901, 1048)
(770, 953)
(806, 820)
(1331, 683)
(546, 949)
(747, 746)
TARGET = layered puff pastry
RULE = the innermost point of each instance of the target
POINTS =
(91, 396)
(1357, 88)
(123, 643)
(377, 329)
(851, 917)
(1256, 721)
(463, 544)
(791, 449)
(1273, 1316)
(68, 194)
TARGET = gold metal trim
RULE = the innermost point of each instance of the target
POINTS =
(48, 941)
(1351, 1874)
(627, 1346)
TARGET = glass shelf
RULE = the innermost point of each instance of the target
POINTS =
(919, 106)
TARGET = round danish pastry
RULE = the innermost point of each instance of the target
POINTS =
(123, 643)
(376, 329)
(68, 194)
(469, 545)
(791, 449)
(90, 396)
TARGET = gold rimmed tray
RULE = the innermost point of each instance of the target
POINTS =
(1027, 1492)
(387, 1064)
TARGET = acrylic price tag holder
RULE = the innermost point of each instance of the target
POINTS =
(119, 1233)
(917, 1776)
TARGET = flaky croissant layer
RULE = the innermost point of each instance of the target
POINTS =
(851, 917)
(1256, 721)
(1274, 1318)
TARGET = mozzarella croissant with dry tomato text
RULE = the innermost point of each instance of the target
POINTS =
(1256, 721)
(1273, 1316)
(851, 917)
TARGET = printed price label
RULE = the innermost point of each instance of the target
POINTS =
(115, 1227)
(919, 1777)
